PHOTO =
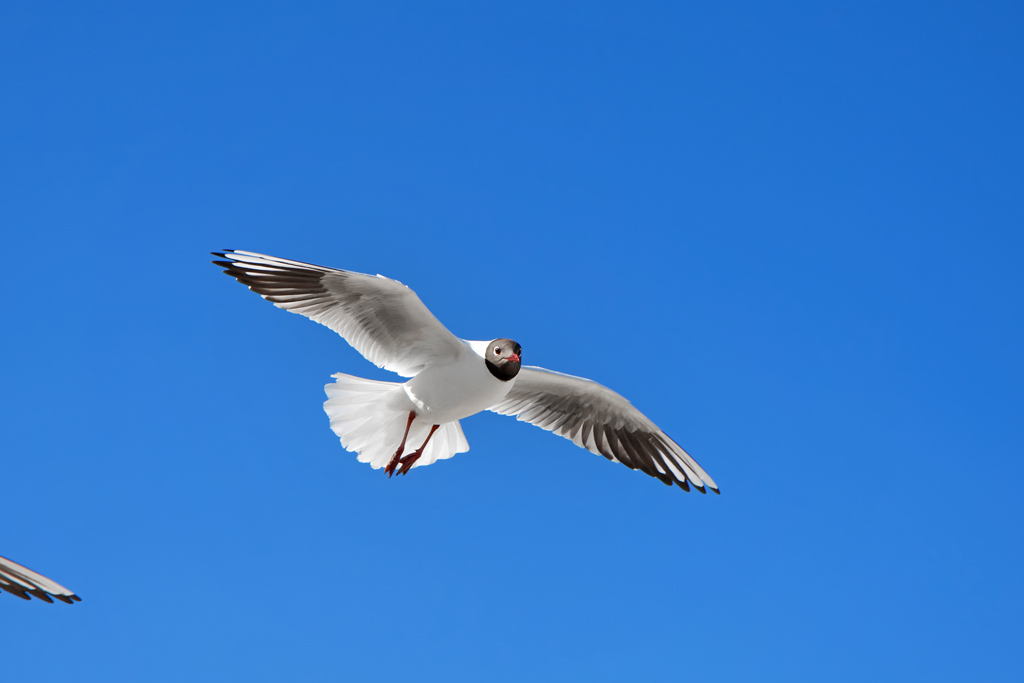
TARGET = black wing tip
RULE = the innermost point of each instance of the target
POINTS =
(702, 488)
(4, 588)
(39, 594)
(42, 595)
(224, 254)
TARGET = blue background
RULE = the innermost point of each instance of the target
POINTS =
(791, 234)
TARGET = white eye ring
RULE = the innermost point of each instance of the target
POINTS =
(497, 350)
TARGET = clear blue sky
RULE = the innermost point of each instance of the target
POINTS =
(791, 234)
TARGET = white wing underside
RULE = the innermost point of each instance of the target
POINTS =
(381, 318)
(600, 420)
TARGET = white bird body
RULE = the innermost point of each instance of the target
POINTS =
(456, 390)
(416, 423)
(370, 419)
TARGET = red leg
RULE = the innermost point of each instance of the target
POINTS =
(390, 469)
(409, 460)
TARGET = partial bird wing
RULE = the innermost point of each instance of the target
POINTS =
(381, 318)
(23, 582)
(596, 418)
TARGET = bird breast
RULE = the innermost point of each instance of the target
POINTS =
(456, 390)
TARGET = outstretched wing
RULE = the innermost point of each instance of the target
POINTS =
(596, 418)
(23, 582)
(381, 318)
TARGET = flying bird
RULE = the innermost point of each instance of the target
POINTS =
(399, 426)
(23, 582)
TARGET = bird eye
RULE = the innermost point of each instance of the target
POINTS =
(497, 349)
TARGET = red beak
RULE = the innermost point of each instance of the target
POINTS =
(514, 357)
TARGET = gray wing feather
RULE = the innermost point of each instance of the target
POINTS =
(23, 582)
(598, 419)
(381, 318)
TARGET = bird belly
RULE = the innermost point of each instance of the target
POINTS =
(454, 391)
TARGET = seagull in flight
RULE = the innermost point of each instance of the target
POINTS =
(23, 582)
(401, 425)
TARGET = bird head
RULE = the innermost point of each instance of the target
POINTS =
(504, 358)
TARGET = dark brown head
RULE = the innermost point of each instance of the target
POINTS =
(503, 358)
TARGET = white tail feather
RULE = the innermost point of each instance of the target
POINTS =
(370, 416)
